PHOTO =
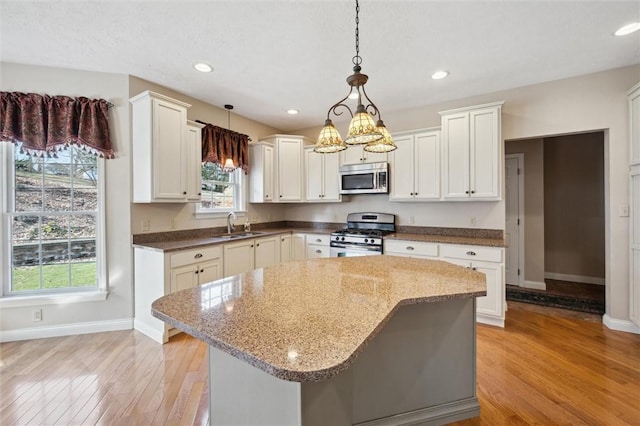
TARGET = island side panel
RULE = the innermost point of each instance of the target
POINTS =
(241, 395)
(420, 367)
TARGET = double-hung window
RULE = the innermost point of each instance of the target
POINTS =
(52, 222)
(222, 191)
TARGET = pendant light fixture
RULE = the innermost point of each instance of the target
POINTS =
(363, 129)
(228, 163)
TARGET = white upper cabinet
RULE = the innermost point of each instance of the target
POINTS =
(471, 153)
(163, 151)
(261, 176)
(355, 154)
(322, 182)
(193, 173)
(286, 183)
(634, 119)
(415, 166)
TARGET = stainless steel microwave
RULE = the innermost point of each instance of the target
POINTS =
(371, 178)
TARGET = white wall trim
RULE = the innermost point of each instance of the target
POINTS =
(150, 332)
(437, 415)
(65, 330)
(536, 285)
(482, 319)
(574, 278)
(620, 325)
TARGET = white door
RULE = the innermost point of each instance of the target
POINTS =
(513, 218)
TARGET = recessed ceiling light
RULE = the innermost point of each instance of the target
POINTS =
(438, 75)
(628, 29)
(202, 67)
(292, 111)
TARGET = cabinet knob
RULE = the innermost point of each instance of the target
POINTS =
(471, 253)
(473, 192)
(280, 196)
(198, 255)
(410, 248)
(318, 240)
(318, 251)
(201, 270)
(466, 192)
(282, 239)
(474, 268)
(197, 272)
(257, 245)
(199, 193)
(184, 193)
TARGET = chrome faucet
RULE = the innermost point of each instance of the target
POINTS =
(230, 227)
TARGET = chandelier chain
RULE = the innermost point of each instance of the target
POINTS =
(357, 60)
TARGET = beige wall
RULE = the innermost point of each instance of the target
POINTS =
(168, 216)
(533, 205)
(584, 103)
(574, 205)
(114, 88)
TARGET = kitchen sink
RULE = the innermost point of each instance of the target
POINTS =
(238, 235)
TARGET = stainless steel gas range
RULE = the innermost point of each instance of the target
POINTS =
(363, 234)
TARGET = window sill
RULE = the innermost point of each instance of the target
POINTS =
(52, 299)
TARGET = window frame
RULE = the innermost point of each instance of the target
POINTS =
(63, 295)
(240, 202)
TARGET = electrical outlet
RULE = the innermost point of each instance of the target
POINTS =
(474, 221)
(146, 225)
(37, 315)
(412, 220)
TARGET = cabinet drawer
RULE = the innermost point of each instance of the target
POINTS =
(472, 253)
(187, 257)
(410, 248)
(317, 251)
(317, 239)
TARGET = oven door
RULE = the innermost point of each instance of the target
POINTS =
(350, 251)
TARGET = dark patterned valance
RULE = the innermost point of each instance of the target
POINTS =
(218, 144)
(46, 124)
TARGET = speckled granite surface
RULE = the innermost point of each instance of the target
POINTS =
(448, 239)
(308, 320)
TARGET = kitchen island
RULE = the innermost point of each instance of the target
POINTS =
(372, 340)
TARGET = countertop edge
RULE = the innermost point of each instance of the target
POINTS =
(311, 375)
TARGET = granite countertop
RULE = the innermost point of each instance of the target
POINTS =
(448, 239)
(207, 240)
(308, 320)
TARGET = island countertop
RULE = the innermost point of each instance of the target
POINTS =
(308, 320)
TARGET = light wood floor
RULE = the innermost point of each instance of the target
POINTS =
(540, 369)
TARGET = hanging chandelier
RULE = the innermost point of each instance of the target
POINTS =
(362, 128)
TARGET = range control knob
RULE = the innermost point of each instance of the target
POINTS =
(366, 240)
(337, 238)
(342, 238)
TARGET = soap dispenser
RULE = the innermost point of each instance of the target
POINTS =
(247, 226)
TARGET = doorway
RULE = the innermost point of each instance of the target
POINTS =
(561, 246)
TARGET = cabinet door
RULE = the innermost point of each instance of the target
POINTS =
(493, 303)
(285, 248)
(268, 173)
(331, 178)
(402, 169)
(210, 271)
(289, 169)
(485, 159)
(352, 155)
(193, 156)
(184, 277)
(374, 157)
(266, 252)
(313, 175)
(427, 166)
(455, 155)
(169, 131)
(298, 247)
(238, 258)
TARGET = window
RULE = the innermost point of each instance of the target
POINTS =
(221, 191)
(51, 221)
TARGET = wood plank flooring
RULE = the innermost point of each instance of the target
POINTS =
(540, 369)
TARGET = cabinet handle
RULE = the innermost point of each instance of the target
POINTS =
(410, 248)
(471, 253)
(198, 255)
(281, 196)
(411, 193)
(199, 193)
(318, 251)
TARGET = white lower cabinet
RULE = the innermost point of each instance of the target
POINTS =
(285, 248)
(247, 255)
(160, 273)
(298, 246)
(488, 260)
(317, 246)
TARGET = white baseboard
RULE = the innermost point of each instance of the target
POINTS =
(152, 333)
(482, 319)
(574, 278)
(65, 330)
(536, 285)
(620, 325)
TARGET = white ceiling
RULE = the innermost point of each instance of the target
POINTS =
(272, 55)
